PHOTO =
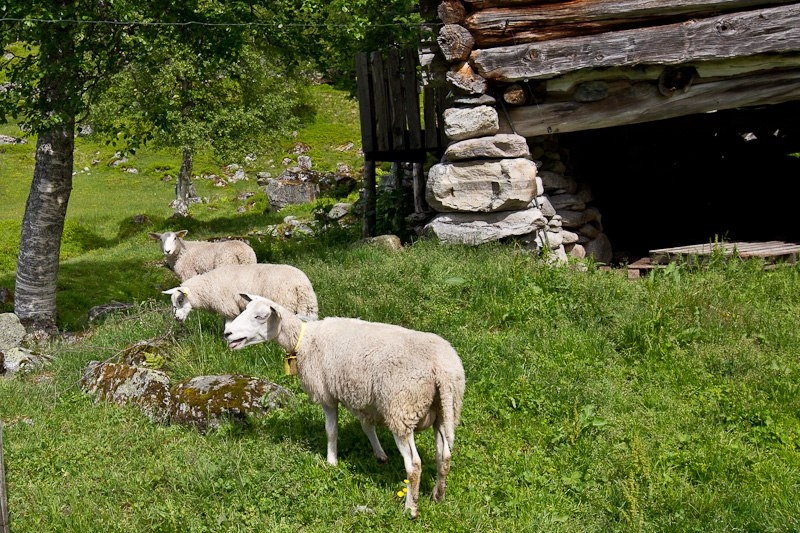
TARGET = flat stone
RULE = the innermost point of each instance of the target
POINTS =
(481, 186)
(467, 122)
(479, 228)
(502, 145)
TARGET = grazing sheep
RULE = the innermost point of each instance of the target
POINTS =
(384, 374)
(219, 290)
(190, 258)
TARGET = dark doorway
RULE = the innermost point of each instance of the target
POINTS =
(727, 175)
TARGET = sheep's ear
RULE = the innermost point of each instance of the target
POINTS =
(172, 291)
(182, 233)
(249, 297)
(155, 236)
(274, 321)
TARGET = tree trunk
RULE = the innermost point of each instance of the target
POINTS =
(42, 227)
(183, 185)
(46, 209)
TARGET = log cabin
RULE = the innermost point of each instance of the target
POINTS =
(650, 122)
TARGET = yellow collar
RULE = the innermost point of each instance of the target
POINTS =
(299, 337)
(290, 362)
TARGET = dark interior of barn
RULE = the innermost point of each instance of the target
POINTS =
(724, 175)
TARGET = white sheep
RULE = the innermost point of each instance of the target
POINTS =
(219, 290)
(190, 258)
(384, 374)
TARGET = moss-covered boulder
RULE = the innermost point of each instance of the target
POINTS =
(205, 401)
(122, 384)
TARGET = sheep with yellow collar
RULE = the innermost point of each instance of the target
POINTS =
(384, 374)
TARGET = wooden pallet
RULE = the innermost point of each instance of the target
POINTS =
(771, 251)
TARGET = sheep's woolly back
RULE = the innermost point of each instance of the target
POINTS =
(384, 373)
(219, 290)
(198, 257)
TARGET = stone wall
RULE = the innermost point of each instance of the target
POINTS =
(490, 186)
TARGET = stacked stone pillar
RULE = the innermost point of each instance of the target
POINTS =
(491, 184)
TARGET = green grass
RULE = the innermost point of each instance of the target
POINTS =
(593, 403)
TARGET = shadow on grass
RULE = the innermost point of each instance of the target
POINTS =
(307, 425)
(83, 284)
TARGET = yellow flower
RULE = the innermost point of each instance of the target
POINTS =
(400, 493)
(405, 481)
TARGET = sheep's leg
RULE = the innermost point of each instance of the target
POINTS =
(331, 430)
(442, 461)
(369, 430)
(413, 464)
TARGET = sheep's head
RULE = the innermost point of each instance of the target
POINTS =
(259, 322)
(170, 241)
(180, 302)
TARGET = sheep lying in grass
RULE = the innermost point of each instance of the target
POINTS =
(219, 290)
(190, 258)
(384, 374)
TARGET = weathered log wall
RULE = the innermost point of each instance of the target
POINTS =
(533, 52)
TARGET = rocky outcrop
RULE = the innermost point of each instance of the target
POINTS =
(123, 384)
(206, 401)
(140, 379)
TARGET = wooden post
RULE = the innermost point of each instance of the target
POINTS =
(4, 525)
(368, 227)
(419, 188)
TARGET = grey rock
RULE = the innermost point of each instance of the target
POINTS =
(391, 243)
(479, 228)
(467, 122)
(576, 219)
(205, 402)
(18, 359)
(502, 145)
(339, 210)
(555, 182)
(599, 248)
(288, 189)
(481, 186)
(474, 100)
(11, 331)
(123, 384)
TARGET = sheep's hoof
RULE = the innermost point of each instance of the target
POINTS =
(412, 513)
(382, 459)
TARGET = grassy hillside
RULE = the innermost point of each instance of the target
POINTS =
(594, 403)
(101, 222)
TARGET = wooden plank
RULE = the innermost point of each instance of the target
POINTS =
(4, 523)
(642, 102)
(729, 36)
(381, 116)
(369, 222)
(500, 26)
(770, 251)
(562, 86)
(366, 109)
(395, 90)
(411, 101)
(430, 117)
(441, 105)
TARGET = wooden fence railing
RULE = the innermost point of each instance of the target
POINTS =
(393, 127)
